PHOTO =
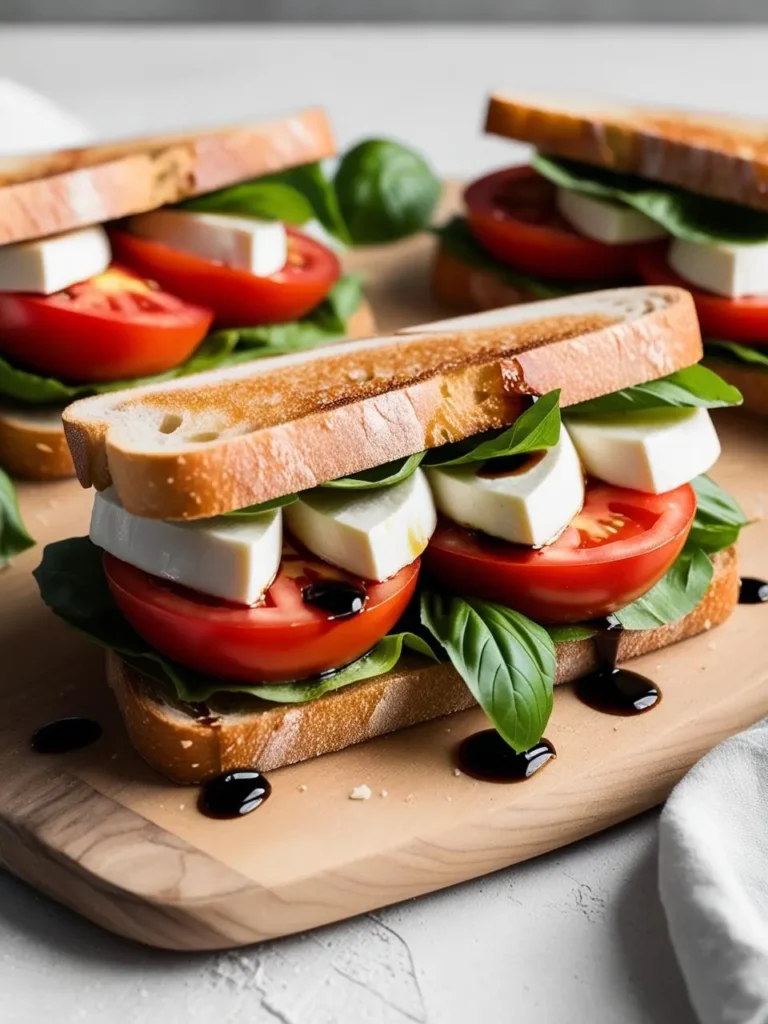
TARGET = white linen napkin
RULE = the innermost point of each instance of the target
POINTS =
(31, 123)
(713, 879)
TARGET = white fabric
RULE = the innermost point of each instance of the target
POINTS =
(713, 878)
(31, 123)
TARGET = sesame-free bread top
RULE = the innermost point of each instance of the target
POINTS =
(54, 192)
(713, 154)
(229, 438)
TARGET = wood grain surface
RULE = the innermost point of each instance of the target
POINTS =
(101, 832)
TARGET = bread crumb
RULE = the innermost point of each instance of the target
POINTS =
(409, 798)
(53, 503)
(186, 744)
(182, 806)
(361, 793)
(449, 799)
(196, 765)
(44, 447)
(302, 788)
(169, 480)
(457, 772)
(711, 646)
(708, 624)
(384, 792)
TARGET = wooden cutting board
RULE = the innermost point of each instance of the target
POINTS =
(102, 833)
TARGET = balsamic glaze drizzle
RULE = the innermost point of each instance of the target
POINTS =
(613, 690)
(753, 591)
(487, 757)
(64, 735)
(337, 597)
(234, 794)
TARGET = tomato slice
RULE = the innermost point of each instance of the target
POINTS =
(282, 638)
(744, 319)
(620, 544)
(512, 213)
(237, 297)
(113, 326)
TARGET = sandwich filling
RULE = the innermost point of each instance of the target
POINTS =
(522, 537)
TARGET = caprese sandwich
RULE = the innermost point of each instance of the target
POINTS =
(294, 556)
(663, 196)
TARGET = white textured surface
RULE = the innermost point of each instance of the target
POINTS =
(577, 936)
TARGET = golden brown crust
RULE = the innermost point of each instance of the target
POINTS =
(752, 383)
(59, 191)
(716, 155)
(33, 445)
(189, 745)
(234, 438)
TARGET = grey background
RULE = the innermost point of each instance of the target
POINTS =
(727, 11)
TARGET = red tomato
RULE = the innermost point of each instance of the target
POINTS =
(112, 327)
(620, 544)
(281, 639)
(512, 214)
(237, 297)
(744, 319)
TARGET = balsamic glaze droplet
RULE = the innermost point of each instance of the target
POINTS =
(337, 597)
(65, 735)
(753, 591)
(612, 690)
(234, 794)
(486, 756)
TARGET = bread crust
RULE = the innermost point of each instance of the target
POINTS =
(712, 154)
(67, 189)
(243, 436)
(190, 744)
(35, 450)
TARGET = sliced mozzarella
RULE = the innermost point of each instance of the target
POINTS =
(372, 534)
(244, 243)
(730, 270)
(530, 504)
(606, 221)
(48, 265)
(229, 558)
(648, 451)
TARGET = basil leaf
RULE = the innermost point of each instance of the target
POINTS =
(566, 634)
(266, 506)
(536, 429)
(696, 386)
(718, 520)
(675, 595)
(694, 218)
(311, 182)
(13, 535)
(388, 475)
(733, 353)
(507, 661)
(73, 585)
(385, 191)
(458, 240)
(259, 198)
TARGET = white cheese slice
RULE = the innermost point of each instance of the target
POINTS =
(370, 533)
(653, 451)
(531, 504)
(606, 221)
(48, 265)
(730, 270)
(234, 559)
(243, 243)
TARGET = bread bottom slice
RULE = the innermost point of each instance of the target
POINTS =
(32, 442)
(190, 743)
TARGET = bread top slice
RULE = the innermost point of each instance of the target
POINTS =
(59, 191)
(713, 154)
(223, 440)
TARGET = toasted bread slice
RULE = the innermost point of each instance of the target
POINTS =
(240, 436)
(32, 441)
(716, 155)
(190, 743)
(54, 192)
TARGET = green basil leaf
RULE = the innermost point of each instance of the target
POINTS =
(507, 661)
(380, 476)
(566, 634)
(13, 535)
(458, 240)
(385, 191)
(718, 520)
(696, 386)
(73, 585)
(265, 506)
(319, 191)
(675, 595)
(259, 198)
(533, 431)
(733, 353)
(694, 218)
